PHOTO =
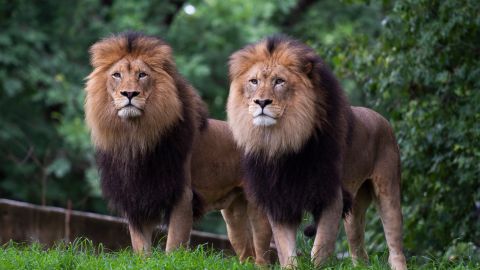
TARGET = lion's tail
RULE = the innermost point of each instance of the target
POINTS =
(311, 230)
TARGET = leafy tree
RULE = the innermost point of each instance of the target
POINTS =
(44, 146)
(426, 72)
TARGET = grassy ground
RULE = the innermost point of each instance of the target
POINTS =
(82, 255)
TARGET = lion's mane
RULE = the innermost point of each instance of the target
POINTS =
(303, 172)
(141, 161)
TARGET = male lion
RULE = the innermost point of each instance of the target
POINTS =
(157, 154)
(302, 142)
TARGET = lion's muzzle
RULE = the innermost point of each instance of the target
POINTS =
(129, 105)
(262, 114)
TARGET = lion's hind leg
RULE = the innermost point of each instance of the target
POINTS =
(354, 223)
(238, 228)
(386, 185)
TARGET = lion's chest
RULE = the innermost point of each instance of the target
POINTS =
(296, 182)
(144, 187)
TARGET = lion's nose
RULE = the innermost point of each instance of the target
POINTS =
(130, 94)
(263, 102)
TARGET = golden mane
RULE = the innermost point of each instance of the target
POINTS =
(306, 109)
(163, 109)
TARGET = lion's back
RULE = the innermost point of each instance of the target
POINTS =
(372, 140)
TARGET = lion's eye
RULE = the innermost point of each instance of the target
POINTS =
(254, 81)
(279, 81)
(116, 75)
(142, 75)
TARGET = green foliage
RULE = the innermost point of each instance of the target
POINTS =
(416, 62)
(43, 138)
(430, 80)
(423, 75)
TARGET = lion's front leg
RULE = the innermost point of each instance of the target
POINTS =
(180, 223)
(261, 232)
(181, 219)
(327, 229)
(141, 238)
(285, 241)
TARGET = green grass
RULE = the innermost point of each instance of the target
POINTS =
(83, 255)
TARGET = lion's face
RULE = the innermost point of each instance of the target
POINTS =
(272, 105)
(268, 91)
(130, 85)
(132, 98)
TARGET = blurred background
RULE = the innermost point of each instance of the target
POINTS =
(416, 62)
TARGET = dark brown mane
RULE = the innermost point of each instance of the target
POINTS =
(306, 180)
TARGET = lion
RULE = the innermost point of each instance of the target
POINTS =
(160, 159)
(303, 144)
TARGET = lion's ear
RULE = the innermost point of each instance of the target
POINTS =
(308, 68)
